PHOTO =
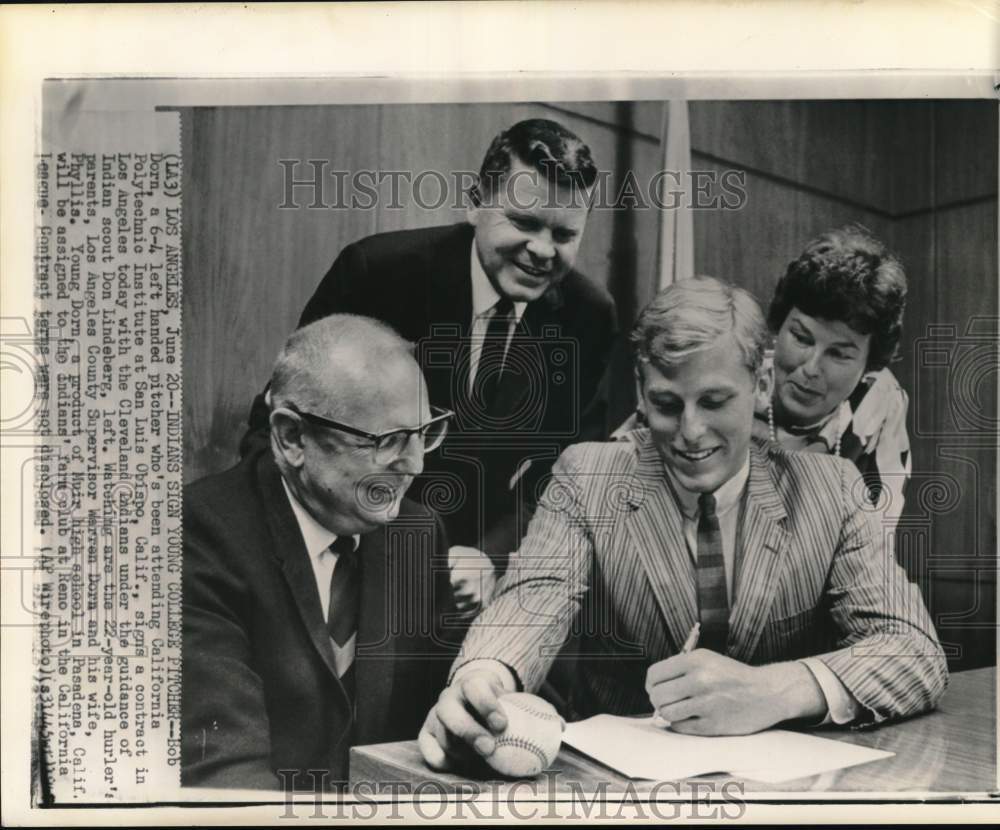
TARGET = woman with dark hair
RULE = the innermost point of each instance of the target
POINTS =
(837, 315)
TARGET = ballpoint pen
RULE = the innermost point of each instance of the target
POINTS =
(690, 644)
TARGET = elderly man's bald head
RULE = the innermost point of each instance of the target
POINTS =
(362, 374)
(340, 365)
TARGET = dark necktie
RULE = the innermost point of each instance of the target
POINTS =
(342, 613)
(491, 357)
(713, 606)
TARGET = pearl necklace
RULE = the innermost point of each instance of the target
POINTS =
(774, 436)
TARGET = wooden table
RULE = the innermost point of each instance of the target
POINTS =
(952, 749)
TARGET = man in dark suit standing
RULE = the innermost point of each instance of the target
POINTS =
(510, 337)
(314, 592)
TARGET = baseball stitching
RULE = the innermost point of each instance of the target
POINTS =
(531, 710)
(523, 743)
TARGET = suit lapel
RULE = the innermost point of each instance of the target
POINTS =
(522, 358)
(656, 532)
(290, 551)
(449, 300)
(374, 657)
(526, 354)
(762, 555)
(448, 312)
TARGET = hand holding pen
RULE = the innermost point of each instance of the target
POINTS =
(690, 644)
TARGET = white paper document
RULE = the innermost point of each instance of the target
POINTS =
(639, 748)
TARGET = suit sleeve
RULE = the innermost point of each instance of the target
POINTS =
(336, 294)
(225, 730)
(888, 655)
(535, 602)
(594, 380)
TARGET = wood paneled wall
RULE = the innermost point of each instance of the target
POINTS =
(945, 229)
(249, 266)
(923, 177)
(920, 174)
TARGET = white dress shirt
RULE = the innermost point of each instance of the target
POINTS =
(324, 561)
(484, 298)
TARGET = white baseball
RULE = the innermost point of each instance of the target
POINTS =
(532, 738)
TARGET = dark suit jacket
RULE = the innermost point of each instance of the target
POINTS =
(419, 282)
(260, 692)
(606, 550)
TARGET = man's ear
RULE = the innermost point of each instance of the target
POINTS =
(763, 388)
(286, 428)
(474, 197)
(472, 213)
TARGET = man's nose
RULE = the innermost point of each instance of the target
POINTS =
(692, 427)
(540, 246)
(411, 459)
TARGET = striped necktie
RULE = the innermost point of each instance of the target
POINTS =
(713, 606)
(342, 613)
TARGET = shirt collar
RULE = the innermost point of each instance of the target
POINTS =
(726, 497)
(828, 430)
(484, 295)
(316, 537)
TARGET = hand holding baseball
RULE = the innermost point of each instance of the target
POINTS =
(532, 738)
(464, 722)
(517, 734)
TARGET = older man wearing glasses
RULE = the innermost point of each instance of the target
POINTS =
(315, 594)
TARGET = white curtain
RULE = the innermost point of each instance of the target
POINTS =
(676, 242)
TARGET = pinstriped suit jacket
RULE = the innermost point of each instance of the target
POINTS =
(605, 554)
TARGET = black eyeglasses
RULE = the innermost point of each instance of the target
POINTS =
(388, 446)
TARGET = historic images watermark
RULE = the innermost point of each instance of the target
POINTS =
(314, 185)
(546, 797)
